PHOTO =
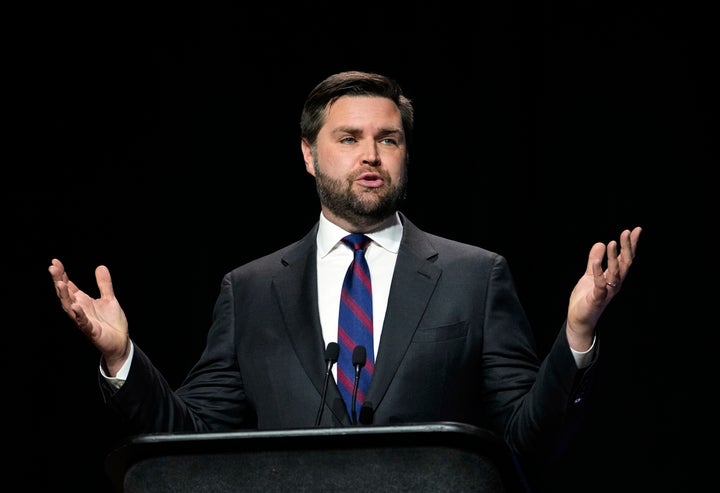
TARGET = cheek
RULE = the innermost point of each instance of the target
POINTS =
(336, 164)
(395, 167)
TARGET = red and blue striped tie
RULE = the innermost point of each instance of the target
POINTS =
(355, 325)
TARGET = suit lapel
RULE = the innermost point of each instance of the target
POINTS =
(295, 289)
(296, 293)
(412, 286)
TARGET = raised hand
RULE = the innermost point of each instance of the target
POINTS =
(101, 319)
(598, 286)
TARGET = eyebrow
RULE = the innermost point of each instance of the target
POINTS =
(356, 130)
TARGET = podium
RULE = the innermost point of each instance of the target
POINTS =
(443, 456)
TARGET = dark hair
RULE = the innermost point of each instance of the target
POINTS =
(357, 84)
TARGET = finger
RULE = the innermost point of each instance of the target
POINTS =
(72, 287)
(61, 290)
(67, 299)
(595, 264)
(57, 270)
(80, 318)
(626, 252)
(632, 241)
(613, 275)
(628, 241)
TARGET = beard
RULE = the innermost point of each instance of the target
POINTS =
(364, 208)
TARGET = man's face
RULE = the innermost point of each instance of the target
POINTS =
(359, 161)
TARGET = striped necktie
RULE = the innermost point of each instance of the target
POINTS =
(355, 328)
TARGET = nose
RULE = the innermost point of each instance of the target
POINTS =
(372, 156)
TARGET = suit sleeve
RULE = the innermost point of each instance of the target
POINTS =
(535, 403)
(211, 398)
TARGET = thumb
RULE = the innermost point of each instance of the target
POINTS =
(104, 282)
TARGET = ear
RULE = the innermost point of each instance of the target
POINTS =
(307, 156)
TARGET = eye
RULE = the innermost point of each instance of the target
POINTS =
(348, 140)
(389, 141)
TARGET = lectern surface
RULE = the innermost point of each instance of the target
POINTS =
(418, 458)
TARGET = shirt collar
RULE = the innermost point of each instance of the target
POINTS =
(388, 236)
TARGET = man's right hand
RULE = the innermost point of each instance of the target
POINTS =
(102, 319)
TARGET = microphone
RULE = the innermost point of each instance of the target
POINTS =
(358, 360)
(366, 413)
(331, 356)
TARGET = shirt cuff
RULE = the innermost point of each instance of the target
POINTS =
(584, 358)
(118, 380)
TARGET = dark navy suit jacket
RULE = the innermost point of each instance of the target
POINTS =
(456, 346)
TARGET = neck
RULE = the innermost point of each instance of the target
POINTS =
(359, 224)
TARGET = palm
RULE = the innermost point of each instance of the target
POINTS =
(102, 321)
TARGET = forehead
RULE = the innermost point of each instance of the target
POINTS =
(363, 110)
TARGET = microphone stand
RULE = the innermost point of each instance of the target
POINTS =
(331, 356)
(359, 357)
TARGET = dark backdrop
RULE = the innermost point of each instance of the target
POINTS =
(165, 144)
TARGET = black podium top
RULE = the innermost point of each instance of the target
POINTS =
(434, 457)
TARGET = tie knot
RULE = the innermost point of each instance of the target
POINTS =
(356, 241)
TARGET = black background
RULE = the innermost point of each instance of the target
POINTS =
(165, 145)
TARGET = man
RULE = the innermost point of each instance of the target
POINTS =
(450, 340)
